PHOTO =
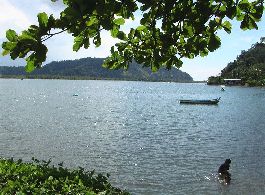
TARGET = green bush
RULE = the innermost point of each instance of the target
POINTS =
(38, 177)
(215, 80)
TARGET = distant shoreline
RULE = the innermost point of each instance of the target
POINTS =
(45, 77)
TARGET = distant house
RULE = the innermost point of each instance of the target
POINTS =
(232, 81)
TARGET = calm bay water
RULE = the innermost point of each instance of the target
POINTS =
(139, 133)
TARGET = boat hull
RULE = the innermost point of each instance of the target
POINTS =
(214, 101)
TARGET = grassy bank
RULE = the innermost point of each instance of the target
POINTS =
(38, 177)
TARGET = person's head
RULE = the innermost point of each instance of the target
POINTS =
(228, 161)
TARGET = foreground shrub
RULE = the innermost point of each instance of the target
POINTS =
(38, 177)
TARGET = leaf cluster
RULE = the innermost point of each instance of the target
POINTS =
(38, 177)
(169, 30)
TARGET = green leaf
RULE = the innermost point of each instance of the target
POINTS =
(204, 53)
(86, 43)
(66, 2)
(107, 23)
(112, 49)
(114, 32)
(97, 40)
(51, 21)
(222, 8)
(188, 30)
(33, 29)
(121, 46)
(227, 26)
(41, 53)
(125, 12)
(239, 14)
(214, 43)
(122, 36)
(231, 12)
(244, 5)
(154, 68)
(43, 19)
(30, 66)
(131, 34)
(179, 63)
(92, 32)
(5, 52)
(14, 54)
(92, 20)
(257, 13)
(22, 54)
(140, 28)
(9, 45)
(26, 35)
(119, 21)
(145, 19)
(252, 24)
(145, 6)
(11, 35)
(71, 13)
(78, 42)
(245, 23)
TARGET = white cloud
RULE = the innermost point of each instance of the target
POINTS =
(248, 39)
(19, 15)
(44, 8)
(60, 47)
(12, 18)
(49, 7)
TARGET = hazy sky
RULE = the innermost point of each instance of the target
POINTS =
(19, 14)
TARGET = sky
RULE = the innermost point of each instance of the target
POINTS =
(19, 14)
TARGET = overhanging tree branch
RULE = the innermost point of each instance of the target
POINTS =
(188, 24)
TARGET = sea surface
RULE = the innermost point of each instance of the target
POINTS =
(139, 133)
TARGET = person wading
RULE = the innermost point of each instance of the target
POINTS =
(223, 172)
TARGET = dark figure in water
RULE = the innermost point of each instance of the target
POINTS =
(224, 175)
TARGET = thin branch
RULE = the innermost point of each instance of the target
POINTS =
(51, 35)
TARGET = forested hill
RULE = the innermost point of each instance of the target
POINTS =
(90, 68)
(248, 66)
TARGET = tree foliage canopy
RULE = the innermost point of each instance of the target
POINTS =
(169, 30)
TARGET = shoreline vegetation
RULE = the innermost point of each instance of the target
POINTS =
(39, 177)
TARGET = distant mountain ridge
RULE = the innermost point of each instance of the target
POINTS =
(91, 68)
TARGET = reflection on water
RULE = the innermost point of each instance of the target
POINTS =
(139, 133)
